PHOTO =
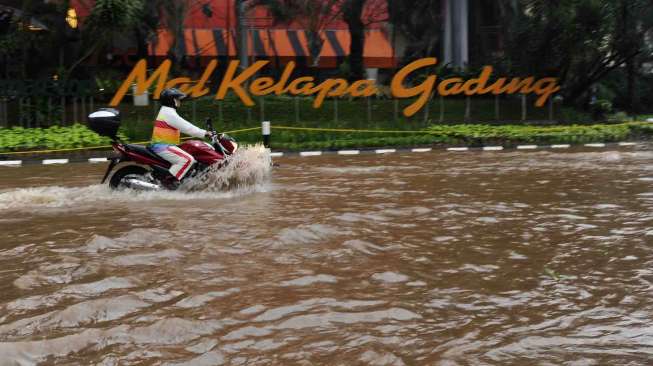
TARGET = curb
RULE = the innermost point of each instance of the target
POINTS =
(451, 149)
(96, 160)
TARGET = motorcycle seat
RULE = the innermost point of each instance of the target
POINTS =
(144, 151)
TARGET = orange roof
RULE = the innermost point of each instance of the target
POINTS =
(279, 45)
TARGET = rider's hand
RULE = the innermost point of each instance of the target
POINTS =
(209, 134)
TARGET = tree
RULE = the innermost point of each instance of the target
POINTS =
(581, 41)
(419, 22)
(352, 11)
(147, 25)
(108, 19)
(174, 14)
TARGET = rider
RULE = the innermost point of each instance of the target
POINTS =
(166, 134)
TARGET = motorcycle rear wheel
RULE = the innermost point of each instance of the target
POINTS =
(117, 180)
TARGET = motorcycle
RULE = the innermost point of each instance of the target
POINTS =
(143, 170)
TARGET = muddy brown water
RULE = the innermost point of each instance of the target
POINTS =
(493, 258)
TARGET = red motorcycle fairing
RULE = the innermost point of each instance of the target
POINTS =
(201, 151)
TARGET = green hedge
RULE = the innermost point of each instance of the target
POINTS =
(471, 135)
(55, 137)
(15, 139)
(231, 113)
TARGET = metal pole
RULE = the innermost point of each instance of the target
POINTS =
(523, 107)
(441, 109)
(468, 109)
(83, 108)
(550, 109)
(20, 113)
(369, 110)
(395, 104)
(296, 110)
(49, 118)
(262, 105)
(63, 110)
(426, 110)
(74, 109)
(242, 34)
(21, 110)
(496, 107)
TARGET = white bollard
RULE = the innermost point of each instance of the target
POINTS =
(265, 130)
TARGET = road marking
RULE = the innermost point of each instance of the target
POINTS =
(354, 152)
(55, 161)
(11, 162)
(310, 153)
(348, 152)
(526, 147)
(97, 160)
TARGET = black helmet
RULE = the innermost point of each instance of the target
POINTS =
(168, 97)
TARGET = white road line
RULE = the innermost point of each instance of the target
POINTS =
(310, 153)
(526, 147)
(55, 161)
(11, 162)
(348, 152)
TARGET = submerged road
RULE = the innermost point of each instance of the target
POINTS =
(447, 258)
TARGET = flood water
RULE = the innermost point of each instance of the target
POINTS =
(438, 258)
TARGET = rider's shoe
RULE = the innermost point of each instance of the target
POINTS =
(170, 182)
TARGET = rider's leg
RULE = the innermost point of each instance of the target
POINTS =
(181, 161)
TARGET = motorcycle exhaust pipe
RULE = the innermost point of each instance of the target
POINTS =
(142, 185)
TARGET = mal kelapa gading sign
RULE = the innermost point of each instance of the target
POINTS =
(240, 84)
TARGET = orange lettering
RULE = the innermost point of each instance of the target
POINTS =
(294, 88)
(229, 82)
(199, 89)
(324, 89)
(261, 86)
(139, 76)
(424, 89)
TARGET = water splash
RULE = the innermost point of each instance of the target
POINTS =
(246, 172)
(248, 166)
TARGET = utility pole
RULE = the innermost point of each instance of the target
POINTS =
(242, 34)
